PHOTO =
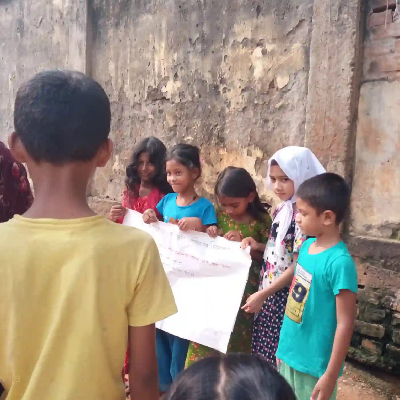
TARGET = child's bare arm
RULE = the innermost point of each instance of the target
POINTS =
(143, 370)
(345, 313)
(191, 224)
(253, 244)
(213, 231)
(256, 300)
(150, 216)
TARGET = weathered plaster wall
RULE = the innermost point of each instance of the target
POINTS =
(375, 212)
(377, 177)
(230, 76)
(37, 35)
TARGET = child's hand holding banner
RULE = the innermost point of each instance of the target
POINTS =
(207, 276)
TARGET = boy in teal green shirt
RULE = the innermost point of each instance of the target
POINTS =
(321, 306)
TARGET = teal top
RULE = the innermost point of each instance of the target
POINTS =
(310, 322)
(202, 208)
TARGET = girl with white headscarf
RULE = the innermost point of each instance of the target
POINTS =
(288, 168)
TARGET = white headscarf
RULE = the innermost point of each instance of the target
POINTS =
(299, 164)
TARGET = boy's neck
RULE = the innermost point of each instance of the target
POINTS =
(60, 192)
(328, 239)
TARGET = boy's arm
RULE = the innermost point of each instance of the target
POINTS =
(143, 369)
(345, 312)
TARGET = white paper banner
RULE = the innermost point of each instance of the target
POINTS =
(207, 276)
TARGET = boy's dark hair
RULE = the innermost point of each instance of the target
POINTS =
(233, 377)
(157, 152)
(324, 192)
(238, 183)
(187, 155)
(62, 116)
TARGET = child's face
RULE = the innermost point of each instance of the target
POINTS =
(310, 223)
(180, 177)
(146, 169)
(283, 186)
(235, 207)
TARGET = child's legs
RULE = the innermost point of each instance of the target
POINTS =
(164, 359)
(302, 384)
(179, 349)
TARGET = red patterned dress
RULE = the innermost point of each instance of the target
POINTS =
(141, 204)
(15, 192)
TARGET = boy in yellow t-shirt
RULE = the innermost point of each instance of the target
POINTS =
(71, 281)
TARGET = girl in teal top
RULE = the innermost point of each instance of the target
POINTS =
(190, 212)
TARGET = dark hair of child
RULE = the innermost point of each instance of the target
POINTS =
(62, 116)
(233, 377)
(187, 155)
(324, 192)
(238, 183)
(156, 150)
(273, 162)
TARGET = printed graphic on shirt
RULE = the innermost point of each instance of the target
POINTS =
(298, 294)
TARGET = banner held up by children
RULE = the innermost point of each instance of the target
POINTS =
(207, 276)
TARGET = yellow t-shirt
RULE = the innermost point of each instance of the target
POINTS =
(68, 291)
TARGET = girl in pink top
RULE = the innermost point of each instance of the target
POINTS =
(146, 184)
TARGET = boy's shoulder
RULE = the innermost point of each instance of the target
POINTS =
(339, 249)
(126, 234)
(97, 229)
(330, 258)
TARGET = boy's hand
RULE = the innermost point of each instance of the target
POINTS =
(324, 388)
(233, 236)
(149, 216)
(254, 303)
(249, 242)
(117, 212)
(190, 224)
(213, 231)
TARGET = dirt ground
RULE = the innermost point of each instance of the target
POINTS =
(359, 383)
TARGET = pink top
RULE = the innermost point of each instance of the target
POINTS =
(141, 204)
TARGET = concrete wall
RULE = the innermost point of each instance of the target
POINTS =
(242, 78)
(375, 213)
(230, 76)
(37, 35)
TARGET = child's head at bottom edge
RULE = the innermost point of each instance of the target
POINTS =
(61, 118)
(322, 202)
(233, 377)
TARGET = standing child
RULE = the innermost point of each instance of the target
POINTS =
(190, 212)
(80, 287)
(146, 180)
(241, 215)
(288, 169)
(146, 184)
(321, 307)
